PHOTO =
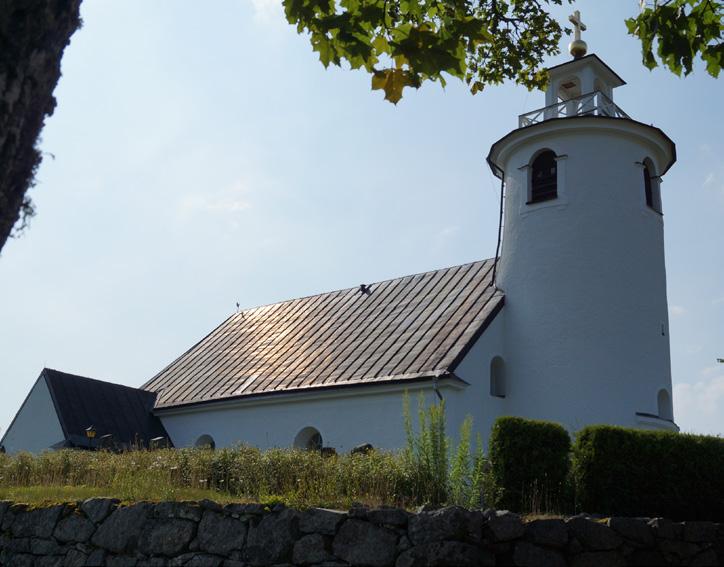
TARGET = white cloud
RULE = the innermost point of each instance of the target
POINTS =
(699, 407)
(268, 10)
(677, 310)
(229, 201)
(713, 182)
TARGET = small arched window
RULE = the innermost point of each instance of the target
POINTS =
(664, 405)
(544, 178)
(308, 438)
(205, 442)
(651, 187)
(497, 377)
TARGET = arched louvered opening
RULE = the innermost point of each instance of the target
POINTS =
(651, 186)
(544, 177)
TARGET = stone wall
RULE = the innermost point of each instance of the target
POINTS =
(101, 532)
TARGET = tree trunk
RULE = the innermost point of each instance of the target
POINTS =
(33, 35)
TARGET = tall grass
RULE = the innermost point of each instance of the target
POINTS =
(300, 478)
(426, 471)
(439, 474)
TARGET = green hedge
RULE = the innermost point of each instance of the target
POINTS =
(648, 473)
(529, 464)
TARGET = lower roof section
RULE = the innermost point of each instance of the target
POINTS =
(123, 412)
(405, 328)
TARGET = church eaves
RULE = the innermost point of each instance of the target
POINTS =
(409, 328)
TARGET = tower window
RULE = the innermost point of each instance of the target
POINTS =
(497, 377)
(647, 187)
(544, 178)
(651, 187)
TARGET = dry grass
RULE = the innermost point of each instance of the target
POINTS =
(297, 478)
(41, 495)
(421, 473)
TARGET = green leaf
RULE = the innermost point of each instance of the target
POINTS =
(381, 44)
(325, 47)
(679, 30)
(484, 42)
(392, 81)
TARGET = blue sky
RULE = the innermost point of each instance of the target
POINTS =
(201, 155)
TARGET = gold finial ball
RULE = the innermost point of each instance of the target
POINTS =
(577, 48)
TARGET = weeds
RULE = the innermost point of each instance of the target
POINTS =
(435, 478)
(430, 469)
(300, 478)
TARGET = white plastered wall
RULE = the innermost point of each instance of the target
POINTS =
(476, 399)
(586, 329)
(345, 419)
(36, 426)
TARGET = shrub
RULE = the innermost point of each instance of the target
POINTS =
(529, 464)
(649, 473)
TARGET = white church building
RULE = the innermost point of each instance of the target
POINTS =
(569, 324)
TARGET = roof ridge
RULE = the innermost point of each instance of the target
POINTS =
(311, 295)
(97, 380)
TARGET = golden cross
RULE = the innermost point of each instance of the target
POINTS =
(575, 19)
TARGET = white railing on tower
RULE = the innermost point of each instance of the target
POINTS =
(591, 104)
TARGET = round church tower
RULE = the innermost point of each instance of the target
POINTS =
(582, 260)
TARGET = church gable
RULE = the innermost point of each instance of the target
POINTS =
(402, 329)
(36, 426)
(61, 407)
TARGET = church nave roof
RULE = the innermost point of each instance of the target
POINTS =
(406, 328)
